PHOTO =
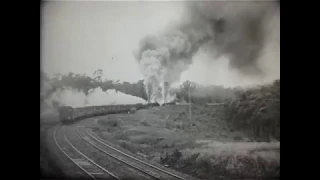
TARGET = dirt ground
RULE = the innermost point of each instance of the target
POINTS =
(204, 146)
(49, 168)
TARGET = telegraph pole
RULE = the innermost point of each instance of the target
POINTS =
(190, 113)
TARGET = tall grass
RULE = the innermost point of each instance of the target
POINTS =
(228, 161)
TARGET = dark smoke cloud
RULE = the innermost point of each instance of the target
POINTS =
(238, 30)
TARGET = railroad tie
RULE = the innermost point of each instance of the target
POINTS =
(96, 173)
(83, 163)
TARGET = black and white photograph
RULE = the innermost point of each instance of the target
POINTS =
(157, 90)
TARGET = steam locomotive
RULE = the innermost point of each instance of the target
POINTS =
(68, 114)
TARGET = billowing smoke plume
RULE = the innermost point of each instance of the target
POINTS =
(247, 33)
(163, 58)
(242, 31)
(96, 97)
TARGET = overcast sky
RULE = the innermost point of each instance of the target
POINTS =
(83, 36)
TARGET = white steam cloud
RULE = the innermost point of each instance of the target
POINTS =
(75, 98)
(96, 97)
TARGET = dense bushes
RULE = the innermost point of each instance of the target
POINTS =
(256, 111)
(222, 166)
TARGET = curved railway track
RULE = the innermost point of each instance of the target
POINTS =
(98, 155)
(85, 164)
(125, 158)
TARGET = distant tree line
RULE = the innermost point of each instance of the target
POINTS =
(200, 94)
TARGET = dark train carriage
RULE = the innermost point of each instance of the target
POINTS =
(115, 108)
(90, 111)
(104, 110)
(98, 110)
(122, 108)
(69, 114)
(65, 113)
(109, 109)
(82, 112)
(85, 112)
(78, 113)
(95, 110)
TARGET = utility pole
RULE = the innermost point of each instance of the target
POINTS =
(190, 115)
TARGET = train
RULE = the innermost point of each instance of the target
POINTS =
(68, 114)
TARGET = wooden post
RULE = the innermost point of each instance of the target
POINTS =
(190, 113)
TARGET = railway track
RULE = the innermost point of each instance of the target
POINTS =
(139, 165)
(121, 170)
(84, 163)
(96, 158)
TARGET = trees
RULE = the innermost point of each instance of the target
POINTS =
(97, 75)
(134, 89)
(107, 84)
(186, 88)
(198, 94)
(257, 111)
(84, 83)
(204, 94)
